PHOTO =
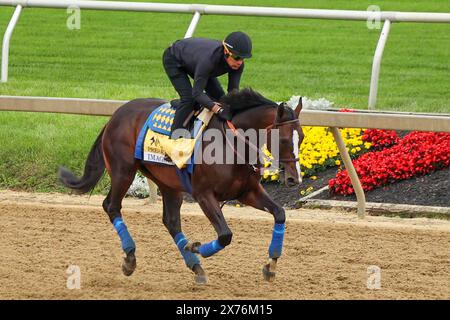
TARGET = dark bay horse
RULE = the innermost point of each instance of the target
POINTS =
(114, 150)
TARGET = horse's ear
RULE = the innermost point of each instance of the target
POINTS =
(280, 111)
(298, 108)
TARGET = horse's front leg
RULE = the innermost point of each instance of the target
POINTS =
(211, 208)
(259, 199)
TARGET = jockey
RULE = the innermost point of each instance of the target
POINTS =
(204, 60)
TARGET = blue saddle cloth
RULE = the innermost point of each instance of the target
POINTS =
(161, 120)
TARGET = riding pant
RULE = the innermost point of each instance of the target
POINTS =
(182, 84)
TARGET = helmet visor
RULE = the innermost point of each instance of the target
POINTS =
(228, 52)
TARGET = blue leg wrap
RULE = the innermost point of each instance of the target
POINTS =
(190, 258)
(277, 240)
(125, 237)
(208, 249)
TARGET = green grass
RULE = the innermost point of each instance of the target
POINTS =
(117, 55)
(33, 146)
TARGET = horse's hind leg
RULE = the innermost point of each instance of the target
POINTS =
(121, 178)
(172, 201)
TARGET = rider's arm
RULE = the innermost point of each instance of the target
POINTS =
(201, 76)
(214, 89)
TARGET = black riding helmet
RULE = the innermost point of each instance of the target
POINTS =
(239, 44)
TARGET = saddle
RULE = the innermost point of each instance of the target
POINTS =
(188, 123)
(154, 143)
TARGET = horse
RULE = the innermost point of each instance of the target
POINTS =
(114, 149)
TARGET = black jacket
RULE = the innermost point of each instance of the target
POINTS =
(203, 59)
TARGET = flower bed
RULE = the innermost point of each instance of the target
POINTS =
(319, 151)
(382, 156)
(418, 153)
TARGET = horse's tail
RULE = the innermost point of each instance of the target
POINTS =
(93, 170)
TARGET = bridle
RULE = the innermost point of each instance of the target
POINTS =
(275, 125)
(280, 124)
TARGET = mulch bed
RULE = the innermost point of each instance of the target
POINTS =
(429, 190)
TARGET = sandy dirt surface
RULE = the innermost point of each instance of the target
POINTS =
(326, 253)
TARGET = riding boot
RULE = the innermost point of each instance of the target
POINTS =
(181, 114)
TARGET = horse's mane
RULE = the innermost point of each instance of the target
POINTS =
(244, 99)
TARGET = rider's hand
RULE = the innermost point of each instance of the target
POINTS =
(225, 112)
(216, 107)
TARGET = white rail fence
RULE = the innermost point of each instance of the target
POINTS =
(332, 119)
(199, 9)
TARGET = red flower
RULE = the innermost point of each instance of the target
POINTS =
(418, 153)
(380, 139)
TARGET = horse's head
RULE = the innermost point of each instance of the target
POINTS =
(290, 138)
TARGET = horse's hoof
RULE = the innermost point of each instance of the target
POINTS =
(268, 275)
(201, 279)
(129, 264)
(200, 276)
(192, 247)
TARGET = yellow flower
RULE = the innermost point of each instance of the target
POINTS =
(313, 178)
(302, 192)
(318, 147)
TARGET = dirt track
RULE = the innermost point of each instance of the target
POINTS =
(326, 254)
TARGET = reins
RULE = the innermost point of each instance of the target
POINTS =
(252, 146)
(240, 137)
